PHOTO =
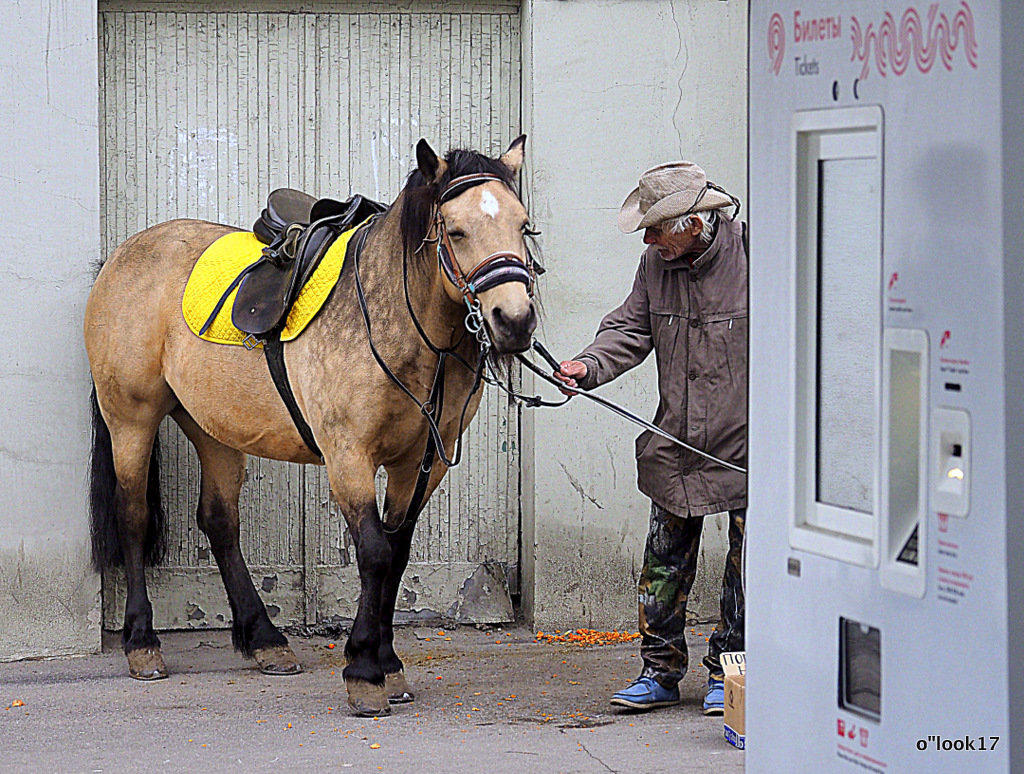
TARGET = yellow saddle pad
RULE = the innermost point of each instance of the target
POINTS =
(222, 261)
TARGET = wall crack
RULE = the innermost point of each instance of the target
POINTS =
(579, 487)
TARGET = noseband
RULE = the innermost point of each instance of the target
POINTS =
(496, 269)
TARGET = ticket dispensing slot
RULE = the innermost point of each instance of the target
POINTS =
(860, 669)
(904, 455)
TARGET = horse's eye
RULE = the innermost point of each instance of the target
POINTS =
(456, 234)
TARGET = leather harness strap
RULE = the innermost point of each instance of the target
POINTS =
(432, 408)
(436, 400)
(224, 297)
(273, 348)
(495, 269)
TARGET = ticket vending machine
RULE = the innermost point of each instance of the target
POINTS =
(885, 534)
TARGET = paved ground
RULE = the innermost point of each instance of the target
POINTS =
(488, 701)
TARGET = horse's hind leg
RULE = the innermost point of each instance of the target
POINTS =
(222, 474)
(131, 447)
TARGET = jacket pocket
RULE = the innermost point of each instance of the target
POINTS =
(641, 442)
(727, 336)
(727, 424)
(665, 328)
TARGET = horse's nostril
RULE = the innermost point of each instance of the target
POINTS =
(513, 326)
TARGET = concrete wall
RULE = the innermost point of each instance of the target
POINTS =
(611, 89)
(49, 197)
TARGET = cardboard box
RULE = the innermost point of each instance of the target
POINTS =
(735, 712)
(735, 667)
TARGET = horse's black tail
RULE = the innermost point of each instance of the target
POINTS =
(104, 500)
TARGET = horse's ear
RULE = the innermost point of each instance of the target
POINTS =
(431, 166)
(513, 158)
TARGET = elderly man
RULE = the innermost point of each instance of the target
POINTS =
(689, 304)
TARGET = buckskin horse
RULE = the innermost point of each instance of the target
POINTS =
(368, 376)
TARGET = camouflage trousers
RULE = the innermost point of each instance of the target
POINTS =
(670, 563)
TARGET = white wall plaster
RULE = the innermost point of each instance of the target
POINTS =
(49, 596)
(611, 89)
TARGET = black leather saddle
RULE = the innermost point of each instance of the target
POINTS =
(298, 229)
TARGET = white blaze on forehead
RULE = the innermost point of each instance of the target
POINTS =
(489, 205)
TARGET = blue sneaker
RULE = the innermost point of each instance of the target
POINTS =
(714, 700)
(646, 693)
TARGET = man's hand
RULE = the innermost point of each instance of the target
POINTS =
(568, 372)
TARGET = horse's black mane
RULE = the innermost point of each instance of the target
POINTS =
(420, 196)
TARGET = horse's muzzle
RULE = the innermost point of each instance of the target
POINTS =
(512, 326)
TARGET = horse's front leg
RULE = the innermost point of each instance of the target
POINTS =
(364, 675)
(395, 684)
(399, 526)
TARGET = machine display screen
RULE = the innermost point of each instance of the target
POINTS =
(848, 326)
(838, 242)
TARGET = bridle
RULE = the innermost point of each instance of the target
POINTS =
(496, 269)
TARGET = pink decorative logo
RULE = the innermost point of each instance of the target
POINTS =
(776, 43)
(895, 46)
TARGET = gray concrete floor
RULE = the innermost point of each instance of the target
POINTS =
(488, 701)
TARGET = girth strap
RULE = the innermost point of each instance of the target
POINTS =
(273, 348)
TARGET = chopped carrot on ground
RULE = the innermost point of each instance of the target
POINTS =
(588, 637)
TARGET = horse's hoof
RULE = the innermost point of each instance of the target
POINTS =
(277, 660)
(146, 664)
(366, 699)
(398, 689)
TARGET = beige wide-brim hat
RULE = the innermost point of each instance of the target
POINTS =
(668, 191)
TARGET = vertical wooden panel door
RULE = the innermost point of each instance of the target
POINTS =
(202, 113)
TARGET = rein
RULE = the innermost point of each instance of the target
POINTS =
(494, 270)
(534, 401)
